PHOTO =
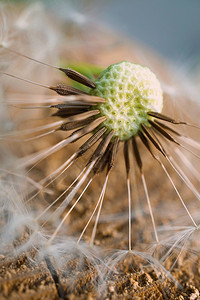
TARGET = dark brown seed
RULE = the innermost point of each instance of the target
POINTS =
(137, 154)
(83, 116)
(113, 153)
(163, 117)
(168, 128)
(145, 142)
(87, 129)
(73, 125)
(91, 141)
(98, 153)
(154, 140)
(74, 75)
(148, 146)
(168, 119)
(65, 90)
(69, 105)
(126, 157)
(64, 113)
(107, 159)
(101, 163)
(163, 132)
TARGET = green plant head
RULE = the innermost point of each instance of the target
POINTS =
(131, 91)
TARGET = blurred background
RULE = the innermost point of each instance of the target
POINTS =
(170, 27)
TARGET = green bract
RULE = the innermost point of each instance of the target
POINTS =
(131, 91)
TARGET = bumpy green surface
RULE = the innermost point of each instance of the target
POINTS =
(130, 91)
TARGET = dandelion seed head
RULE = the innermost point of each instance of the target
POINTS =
(131, 91)
(64, 200)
